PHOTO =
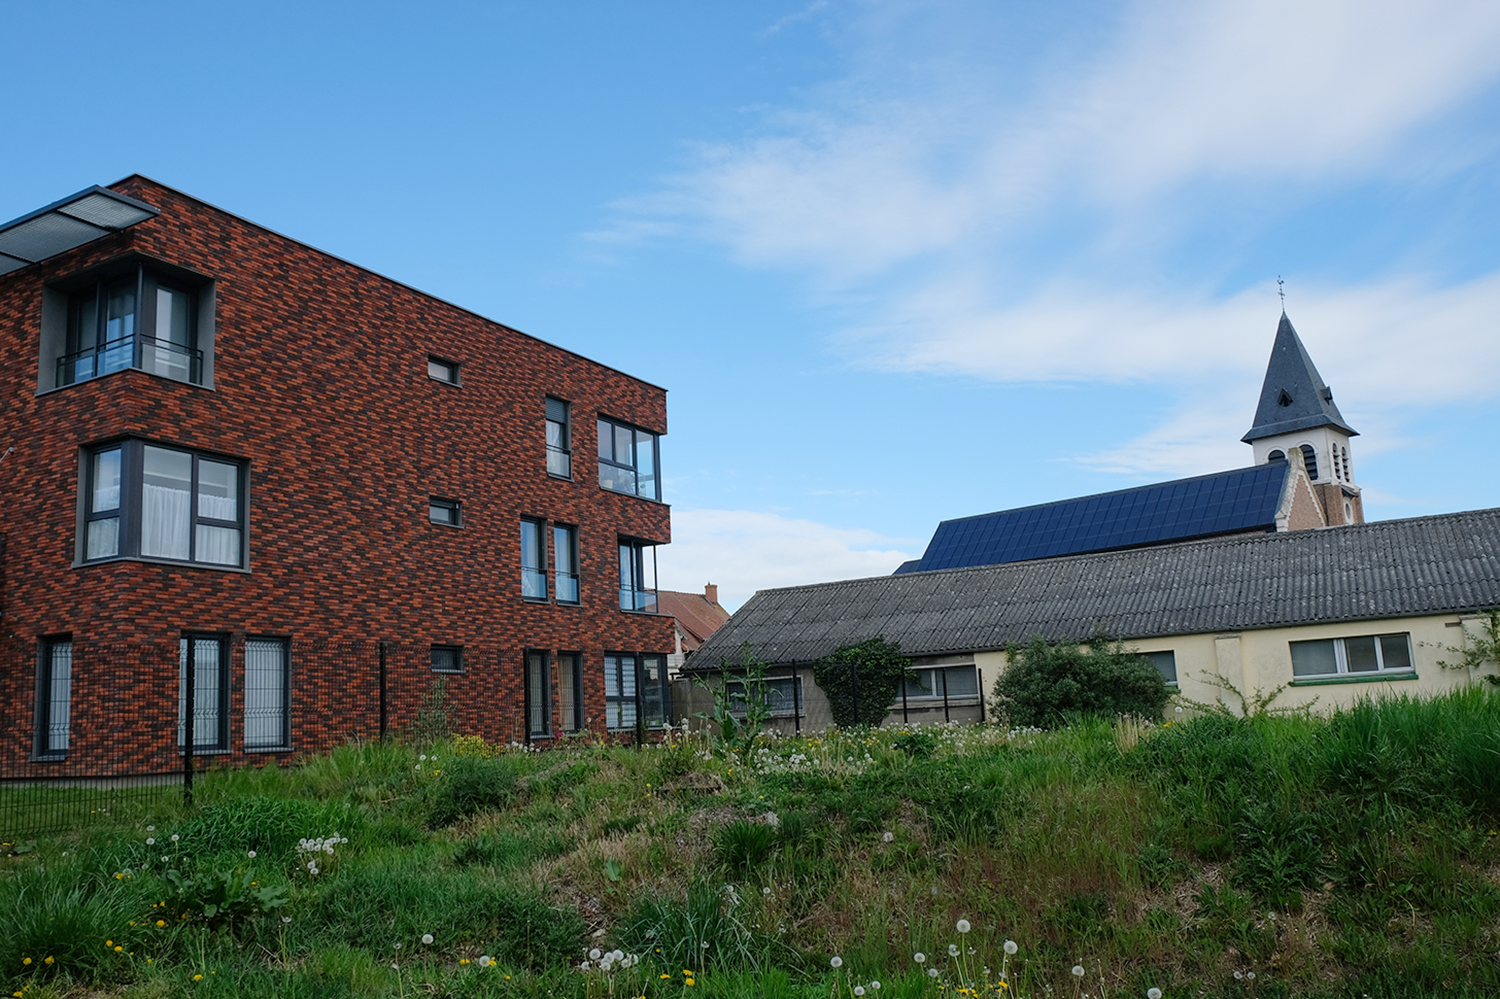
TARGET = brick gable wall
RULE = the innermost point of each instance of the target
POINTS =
(321, 385)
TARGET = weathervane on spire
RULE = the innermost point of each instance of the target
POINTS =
(1281, 291)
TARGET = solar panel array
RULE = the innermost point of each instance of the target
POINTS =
(1242, 499)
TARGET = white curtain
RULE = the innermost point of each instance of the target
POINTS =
(166, 518)
(219, 545)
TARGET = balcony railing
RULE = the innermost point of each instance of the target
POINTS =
(144, 353)
(638, 600)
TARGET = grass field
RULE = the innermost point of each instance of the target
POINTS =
(1282, 856)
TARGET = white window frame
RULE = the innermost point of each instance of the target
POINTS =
(1341, 657)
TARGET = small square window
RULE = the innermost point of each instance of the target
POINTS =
(445, 512)
(442, 371)
(447, 658)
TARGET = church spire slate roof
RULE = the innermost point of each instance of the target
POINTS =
(1293, 396)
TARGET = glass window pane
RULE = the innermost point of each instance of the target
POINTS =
(645, 463)
(557, 410)
(265, 693)
(922, 683)
(963, 681)
(1166, 664)
(567, 690)
(533, 574)
(1395, 651)
(106, 476)
(207, 730)
(83, 322)
(59, 695)
(623, 438)
(166, 507)
(1314, 658)
(538, 693)
(653, 698)
(1359, 654)
(443, 371)
(218, 545)
(606, 441)
(173, 316)
(446, 659)
(119, 319)
(218, 490)
(103, 538)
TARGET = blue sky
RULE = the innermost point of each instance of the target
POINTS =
(895, 262)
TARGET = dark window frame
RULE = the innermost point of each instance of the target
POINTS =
(437, 649)
(568, 545)
(634, 596)
(129, 512)
(47, 700)
(454, 507)
(636, 699)
(285, 741)
(84, 351)
(610, 458)
(536, 692)
(454, 370)
(559, 414)
(534, 576)
(188, 649)
(1161, 659)
(570, 664)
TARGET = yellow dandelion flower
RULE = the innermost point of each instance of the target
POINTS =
(47, 960)
(197, 978)
(162, 922)
(25, 960)
(118, 948)
(690, 982)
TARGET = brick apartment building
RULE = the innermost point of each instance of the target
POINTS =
(326, 496)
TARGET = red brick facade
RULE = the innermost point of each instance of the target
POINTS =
(320, 385)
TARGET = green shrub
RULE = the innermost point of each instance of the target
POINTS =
(1045, 684)
(861, 680)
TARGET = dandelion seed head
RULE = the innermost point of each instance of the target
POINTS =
(1010, 947)
(427, 938)
(932, 972)
(1153, 993)
(963, 926)
(1077, 971)
(836, 961)
(887, 836)
(919, 957)
(595, 954)
(252, 854)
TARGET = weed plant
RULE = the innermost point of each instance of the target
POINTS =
(1344, 857)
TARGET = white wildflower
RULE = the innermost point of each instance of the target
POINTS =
(836, 961)
(963, 926)
(1078, 971)
(1010, 947)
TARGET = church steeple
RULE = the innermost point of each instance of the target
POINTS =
(1297, 421)
(1293, 396)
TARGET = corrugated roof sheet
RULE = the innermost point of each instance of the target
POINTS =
(1242, 499)
(1424, 565)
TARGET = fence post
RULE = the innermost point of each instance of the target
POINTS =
(384, 717)
(189, 664)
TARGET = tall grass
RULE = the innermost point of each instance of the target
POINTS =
(1349, 856)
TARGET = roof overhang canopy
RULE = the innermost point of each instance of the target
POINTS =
(66, 224)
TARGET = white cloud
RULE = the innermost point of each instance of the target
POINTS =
(745, 550)
(1258, 92)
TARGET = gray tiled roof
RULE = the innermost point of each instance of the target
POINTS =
(1424, 565)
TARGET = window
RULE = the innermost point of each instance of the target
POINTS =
(1166, 664)
(447, 512)
(54, 696)
(203, 662)
(628, 460)
(442, 371)
(1368, 655)
(570, 690)
(635, 687)
(637, 575)
(1345, 452)
(783, 696)
(559, 439)
(565, 562)
(447, 658)
(1277, 455)
(533, 566)
(133, 318)
(1310, 461)
(148, 501)
(538, 695)
(935, 683)
(267, 694)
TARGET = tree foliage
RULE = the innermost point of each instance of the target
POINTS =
(1044, 684)
(861, 680)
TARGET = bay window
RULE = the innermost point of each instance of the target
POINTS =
(131, 316)
(148, 501)
(637, 575)
(628, 459)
